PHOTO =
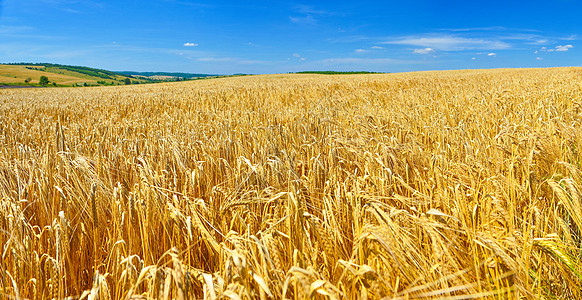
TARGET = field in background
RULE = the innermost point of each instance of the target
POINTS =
(457, 184)
(18, 74)
(62, 75)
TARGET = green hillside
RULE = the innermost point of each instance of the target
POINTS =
(25, 74)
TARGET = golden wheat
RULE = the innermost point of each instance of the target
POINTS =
(456, 184)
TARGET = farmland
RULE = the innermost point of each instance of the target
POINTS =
(453, 184)
(63, 75)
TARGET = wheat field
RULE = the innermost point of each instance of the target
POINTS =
(453, 185)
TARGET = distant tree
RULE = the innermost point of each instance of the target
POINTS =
(127, 81)
(43, 80)
(85, 84)
(27, 80)
(134, 82)
(54, 84)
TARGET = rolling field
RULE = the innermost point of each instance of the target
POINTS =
(60, 74)
(17, 74)
(455, 185)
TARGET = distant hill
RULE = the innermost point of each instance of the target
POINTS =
(28, 74)
(166, 74)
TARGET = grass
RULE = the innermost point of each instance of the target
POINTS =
(456, 185)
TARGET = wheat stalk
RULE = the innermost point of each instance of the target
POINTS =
(407, 185)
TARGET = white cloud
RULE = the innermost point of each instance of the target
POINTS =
(539, 58)
(376, 47)
(361, 51)
(559, 48)
(473, 58)
(492, 54)
(564, 48)
(190, 44)
(451, 43)
(423, 51)
(298, 56)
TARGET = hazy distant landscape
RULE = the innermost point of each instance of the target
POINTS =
(19, 75)
(28, 74)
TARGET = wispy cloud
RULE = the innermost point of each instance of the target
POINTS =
(450, 43)
(190, 3)
(571, 37)
(307, 9)
(376, 47)
(487, 39)
(564, 48)
(215, 59)
(492, 54)
(520, 35)
(74, 6)
(297, 56)
(305, 20)
(308, 15)
(348, 39)
(6, 29)
(27, 32)
(363, 61)
(232, 60)
(423, 51)
(190, 44)
(559, 48)
(527, 38)
(467, 29)
(361, 51)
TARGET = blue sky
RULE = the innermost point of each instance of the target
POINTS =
(225, 37)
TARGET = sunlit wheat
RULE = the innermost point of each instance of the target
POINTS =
(457, 184)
